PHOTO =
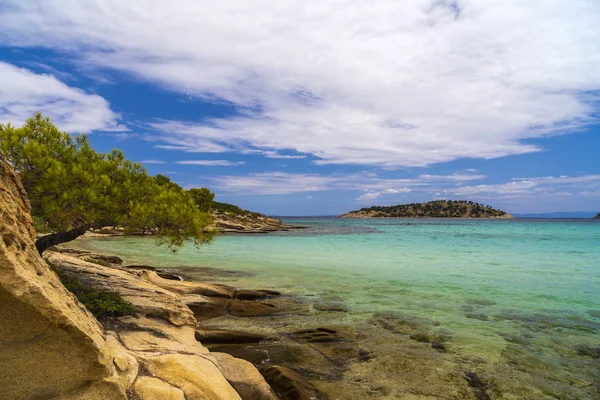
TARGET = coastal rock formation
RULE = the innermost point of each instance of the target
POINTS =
(246, 223)
(597, 216)
(432, 209)
(51, 346)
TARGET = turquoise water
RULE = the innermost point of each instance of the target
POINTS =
(489, 283)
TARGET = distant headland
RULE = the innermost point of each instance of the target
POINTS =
(597, 216)
(432, 209)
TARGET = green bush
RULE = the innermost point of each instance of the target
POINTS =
(100, 303)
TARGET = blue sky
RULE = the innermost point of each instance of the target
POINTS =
(318, 108)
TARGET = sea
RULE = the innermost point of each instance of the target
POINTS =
(517, 302)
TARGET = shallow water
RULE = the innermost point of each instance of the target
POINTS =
(519, 298)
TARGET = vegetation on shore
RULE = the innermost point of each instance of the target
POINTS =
(432, 209)
(73, 188)
(101, 304)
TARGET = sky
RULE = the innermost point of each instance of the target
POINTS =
(297, 107)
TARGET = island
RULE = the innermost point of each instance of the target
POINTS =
(597, 216)
(432, 209)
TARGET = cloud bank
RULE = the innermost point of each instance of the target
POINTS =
(387, 84)
(23, 93)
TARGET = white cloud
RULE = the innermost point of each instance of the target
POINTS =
(533, 186)
(381, 83)
(212, 163)
(153, 162)
(23, 93)
(289, 183)
(374, 195)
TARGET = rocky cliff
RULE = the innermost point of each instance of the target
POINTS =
(51, 347)
(597, 216)
(246, 223)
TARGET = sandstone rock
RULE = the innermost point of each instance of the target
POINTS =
(148, 388)
(205, 307)
(248, 308)
(244, 294)
(198, 376)
(289, 385)
(185, 288)
(149, 334)
(244, 378)
(213, 336)
(146, 298)
(50, 346)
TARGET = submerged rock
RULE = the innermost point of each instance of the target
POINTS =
(588, 351)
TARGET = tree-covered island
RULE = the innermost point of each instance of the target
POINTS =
(432, 209)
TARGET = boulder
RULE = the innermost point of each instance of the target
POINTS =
(198, 376)
(50, 345)
(244, 378)
(148, 388)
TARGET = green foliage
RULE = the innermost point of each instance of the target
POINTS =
(40, 225)
(231, 209)
(70, 185)
(436, 209)
(100, 303)
(203, 197)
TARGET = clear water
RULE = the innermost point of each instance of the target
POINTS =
(535, 283)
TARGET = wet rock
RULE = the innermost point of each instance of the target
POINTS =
(248, 308)
(331, 307)
(588, 351)
(289, 385)
(205, 307)
(319, 335)
(255, 294)
(214, 336)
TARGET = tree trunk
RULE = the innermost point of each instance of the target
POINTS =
(59, 237)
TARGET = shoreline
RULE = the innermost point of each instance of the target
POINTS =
(322, 352)
(408, 352)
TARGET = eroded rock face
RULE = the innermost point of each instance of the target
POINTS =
(50, 346)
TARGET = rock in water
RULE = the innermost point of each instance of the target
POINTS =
(50, 345)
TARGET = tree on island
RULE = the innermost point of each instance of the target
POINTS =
(73, 188)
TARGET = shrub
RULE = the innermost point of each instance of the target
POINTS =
(101, 304)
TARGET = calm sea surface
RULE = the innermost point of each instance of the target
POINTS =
(507, 291)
